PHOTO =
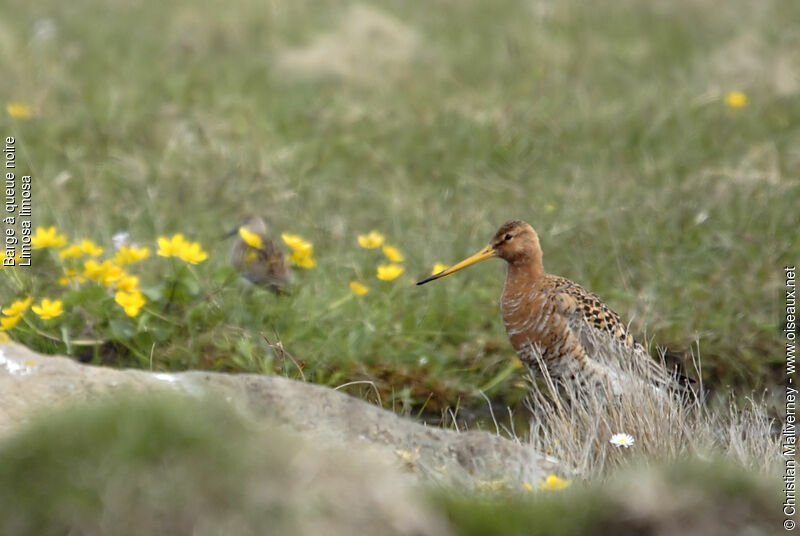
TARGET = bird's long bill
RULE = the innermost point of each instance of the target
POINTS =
(230, 233)
(486, 253)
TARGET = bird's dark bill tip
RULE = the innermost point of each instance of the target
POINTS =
(429, 279)
(230, 233)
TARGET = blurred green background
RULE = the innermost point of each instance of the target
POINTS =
(603, 124)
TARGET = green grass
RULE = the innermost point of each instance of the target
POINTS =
(602, 126)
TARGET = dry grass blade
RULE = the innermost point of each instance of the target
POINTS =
(574, 422)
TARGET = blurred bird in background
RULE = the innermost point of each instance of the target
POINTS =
(257, 258)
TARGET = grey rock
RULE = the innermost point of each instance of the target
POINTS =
(31, 382)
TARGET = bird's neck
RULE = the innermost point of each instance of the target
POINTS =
(523, 273)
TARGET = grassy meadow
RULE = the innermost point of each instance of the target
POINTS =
(607, 125)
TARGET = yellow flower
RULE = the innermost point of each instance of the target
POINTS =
(177, 246)
(170, 247)
(47, 238)
(297, 243)
(527, 486)
(111, 274)
(18, 110)
(302, 260)
(17, 258)
(48, 309)
(129, 255)
(128, 283)
(393, 254)
(192, 253)
(106, 273)
(735, 99)
(251, 238)
(90, 248)
(4, 338)
(8, 322)
(93, 270)
(387, 272)
(550, 207)
(72, 252)
(302, 250)
(70, 276)
(358, 288)
(18, 307)
(553, 483)
(130, 301)
(86, 247)
(371, 240)
(438, 267)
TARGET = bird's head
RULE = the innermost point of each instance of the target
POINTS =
(514, 242)
(254, 224)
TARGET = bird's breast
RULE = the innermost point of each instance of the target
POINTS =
(527, 317)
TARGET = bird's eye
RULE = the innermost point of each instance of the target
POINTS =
(507, 237)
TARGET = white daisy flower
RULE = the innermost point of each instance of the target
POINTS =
(622, 440)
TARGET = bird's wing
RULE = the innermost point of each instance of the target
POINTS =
(587, 315)
(268, 253)
(601, 332)
(276, 261)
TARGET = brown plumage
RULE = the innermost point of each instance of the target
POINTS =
(261, 261)
(573, 331)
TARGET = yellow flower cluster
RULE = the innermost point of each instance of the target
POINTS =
(72, 252)
(71, 275)
(13, 313)
(47, 237)
(177, 246)
(108, 273)
(111, 275)
(302, 250)
(130, 254)
(85, 247)
(384, 272)
(371, 240)
(46, 310)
